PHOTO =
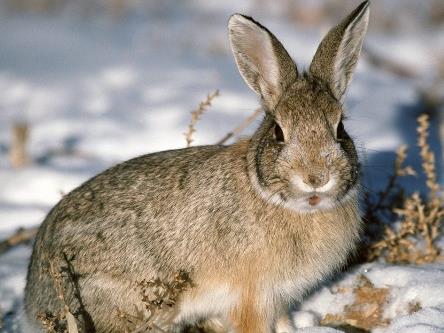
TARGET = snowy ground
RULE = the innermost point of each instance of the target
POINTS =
(110, 89)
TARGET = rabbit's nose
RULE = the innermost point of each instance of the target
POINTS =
(316, 180)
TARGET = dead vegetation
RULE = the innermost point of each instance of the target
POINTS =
(413, 306)
(196, 114)
(413, 238)
(241, 127)
(63, 321)
(385, 18)
(365, 313)
(18, 153)
(158, 297)
(21, 236)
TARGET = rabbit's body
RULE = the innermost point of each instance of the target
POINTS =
(255, 224)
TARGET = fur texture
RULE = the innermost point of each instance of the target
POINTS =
(256, 224)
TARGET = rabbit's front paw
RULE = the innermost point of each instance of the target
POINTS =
(285, 325)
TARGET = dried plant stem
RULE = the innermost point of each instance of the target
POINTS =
(58, 279)
(391, 192)
(158, 295)
(18, 152)
(413, 240)
(389, 65)
(21, 236)
(434, 208)
(196, 114)
(427, 156)
(241, 127)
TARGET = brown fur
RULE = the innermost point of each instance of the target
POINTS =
(236, 218)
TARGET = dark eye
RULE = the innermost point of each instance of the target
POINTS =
(340, 131)
(278, 133)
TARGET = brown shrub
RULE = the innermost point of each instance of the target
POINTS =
(413, 238)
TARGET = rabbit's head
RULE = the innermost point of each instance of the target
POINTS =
(301, 155)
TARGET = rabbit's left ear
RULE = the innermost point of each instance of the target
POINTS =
(262, 60)
(337, 55)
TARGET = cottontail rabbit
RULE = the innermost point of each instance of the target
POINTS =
(255, 224)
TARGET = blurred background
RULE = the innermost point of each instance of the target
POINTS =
(86, 84)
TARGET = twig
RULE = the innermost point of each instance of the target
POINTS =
(18, 153)
(158, 295)
(196, 114)
(21, 236)
(427, 156)
(239, 129)
(389, 65)
(57, 279)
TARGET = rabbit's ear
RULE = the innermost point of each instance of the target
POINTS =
(262, 60)
(338, 53)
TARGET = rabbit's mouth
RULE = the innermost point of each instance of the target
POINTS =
(314, 200)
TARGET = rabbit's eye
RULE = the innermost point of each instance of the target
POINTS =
(340, 131)
(278, 133)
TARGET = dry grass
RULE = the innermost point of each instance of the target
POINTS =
(63, 321)
(413, 239)
(18, 154)
(51, 322)
(21, 236)
(413, 306)
(196, 114)
(157, 297)
(241, 127)
(365, 313)
(34, 6)
(384, 18)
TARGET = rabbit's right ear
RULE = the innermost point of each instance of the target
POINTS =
(262, 60)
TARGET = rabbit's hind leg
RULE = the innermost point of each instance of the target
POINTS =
(285, 325)
(109, 305)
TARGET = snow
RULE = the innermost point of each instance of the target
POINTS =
(429, 320)
(407, 285)
(302, 319)
(109, 89)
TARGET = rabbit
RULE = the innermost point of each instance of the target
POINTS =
(255, 225)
